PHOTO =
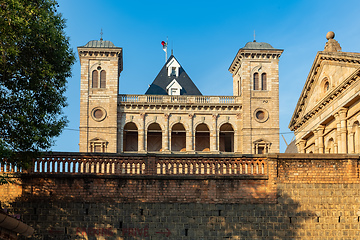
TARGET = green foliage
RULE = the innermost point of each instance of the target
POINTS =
(35, 61)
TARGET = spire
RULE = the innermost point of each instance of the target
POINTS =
(332, 45)
(101, 34)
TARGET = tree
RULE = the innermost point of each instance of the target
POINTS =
(35, 62)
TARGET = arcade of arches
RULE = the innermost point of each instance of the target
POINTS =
(177, 138)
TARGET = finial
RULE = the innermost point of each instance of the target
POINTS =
(254, 36)
(330, 35)
(332, 45)
(172, 51)
(101, 34)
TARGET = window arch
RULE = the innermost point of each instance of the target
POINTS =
(263, 82)
(178, 137)
(154, 137)
(256, 81)
(202, 138)
(130, 137)
(95, 76)
(98, 80)
(103, 79)
(226, 138)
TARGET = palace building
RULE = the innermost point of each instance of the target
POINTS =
(327, 115)
(173, 116)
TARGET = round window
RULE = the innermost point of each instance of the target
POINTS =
(98, 114)
(261, 115)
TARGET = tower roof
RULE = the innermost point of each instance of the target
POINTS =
(257, 46)
(162, 80)
(100, 44)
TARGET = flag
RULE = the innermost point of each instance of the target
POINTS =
(164, 44)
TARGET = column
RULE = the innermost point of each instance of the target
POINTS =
(316, 146)
(213, 134)
(190, 134)
(301, 146)
(320, 133)
(351, 143)
(341, 130)
(141, 133)
(165, 137)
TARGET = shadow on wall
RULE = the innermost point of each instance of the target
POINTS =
(107, 220)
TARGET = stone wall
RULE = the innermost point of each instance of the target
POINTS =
(299, 197)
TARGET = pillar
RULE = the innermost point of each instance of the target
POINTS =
(165, 136)
(141, 133)
(214, 135)
(190, 134)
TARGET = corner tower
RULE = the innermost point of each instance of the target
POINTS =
(101, 65)
(255, 71)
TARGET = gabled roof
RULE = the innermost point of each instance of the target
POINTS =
(162, 80)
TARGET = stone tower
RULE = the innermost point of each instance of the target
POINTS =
(255, 72)
(101, 65)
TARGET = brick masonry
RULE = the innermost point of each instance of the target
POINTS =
(301, 197)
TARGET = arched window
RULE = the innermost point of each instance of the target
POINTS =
(154, 138)
(103, 79)
(226, 140)
(178, 138)
(130, 137)
(95, 78)
(202, 138)
(263, 82)
(256, 81)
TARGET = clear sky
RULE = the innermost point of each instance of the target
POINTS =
(206, 36)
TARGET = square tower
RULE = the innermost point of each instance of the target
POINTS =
(101, 65)
(255, 72)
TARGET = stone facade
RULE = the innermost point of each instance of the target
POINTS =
(326, 118)
(247, 122)
(297, 196)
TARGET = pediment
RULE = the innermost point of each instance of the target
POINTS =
(329, 72)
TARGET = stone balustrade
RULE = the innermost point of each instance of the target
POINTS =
(142, 164)
(179, 99)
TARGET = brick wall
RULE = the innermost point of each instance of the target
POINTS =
(300, 197)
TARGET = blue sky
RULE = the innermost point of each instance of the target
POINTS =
(206, 36)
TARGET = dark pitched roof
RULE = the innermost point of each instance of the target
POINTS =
(162, 80)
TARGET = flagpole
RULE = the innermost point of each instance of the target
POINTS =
(166, 49)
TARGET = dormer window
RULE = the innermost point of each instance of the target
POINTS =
(173, 68)
(173, 71)
(174, 88)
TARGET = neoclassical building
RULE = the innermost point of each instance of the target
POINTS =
(326, 117)
(173, 115)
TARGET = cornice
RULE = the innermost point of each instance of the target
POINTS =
(253, 55)
(99, 52)
(327, 100)
(340, 57)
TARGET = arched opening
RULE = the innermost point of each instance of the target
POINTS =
(94, 79)
(256, 81)
(263, 82)
(154, 138)
(103, 79)
(178, 138)
(130, 137)
(202, 138)
(226, 139)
